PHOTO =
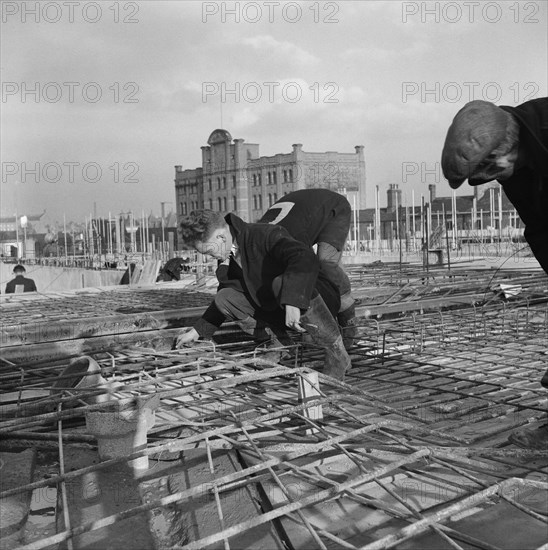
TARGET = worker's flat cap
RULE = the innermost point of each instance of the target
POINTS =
(477, 129)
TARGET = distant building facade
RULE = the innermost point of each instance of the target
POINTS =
(234, 178)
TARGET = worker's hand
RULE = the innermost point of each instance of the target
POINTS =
(186, 337)
(293, 318)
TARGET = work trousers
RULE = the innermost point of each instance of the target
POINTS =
(330, 265)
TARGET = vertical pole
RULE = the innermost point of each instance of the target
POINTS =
(148, 236)
(491, 209)
(109, 234)
(427, 233)
(73, 247)
(500, 216)
(65, 233)
(163, 236)
(92, 247)
(377, 220)
(446, 239)
(423, 242)
(413, 217)
(406, 227)
(355, 226)
(17, 234)
(454, 218)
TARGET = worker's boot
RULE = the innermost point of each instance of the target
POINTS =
(347, 321)
(323, 328)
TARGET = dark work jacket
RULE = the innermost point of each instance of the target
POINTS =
(268, 251)
(527, 189)
(306, 212)
(27, 285)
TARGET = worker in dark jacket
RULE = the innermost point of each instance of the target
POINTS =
(280, 283)
(510, 145)
(20, 283)
(321, 217)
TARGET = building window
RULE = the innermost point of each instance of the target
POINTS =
(274, 178)
(210, 204)
(184, 208)
(285, 176)
(209, 185)
(224, 204)
(260, 180)
(269, 199)
(260, 202)
(220, 204)
(233, 181)
(254, 180)
(269, 178)
(234, 204)
(218, 183)
(290, 175)
(224, 183)
(275, 197)
(254, 202)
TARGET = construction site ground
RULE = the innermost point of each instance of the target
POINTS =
(251, 447)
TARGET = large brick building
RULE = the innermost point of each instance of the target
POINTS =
(234, 178)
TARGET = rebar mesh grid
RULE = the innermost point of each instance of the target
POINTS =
(372, 473)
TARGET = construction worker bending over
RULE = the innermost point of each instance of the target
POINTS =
(279, 282)
(510, 145)
(321, 217)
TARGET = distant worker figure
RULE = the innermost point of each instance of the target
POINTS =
(510, 145)
(52, 248)
(20, 284)
(321, 217)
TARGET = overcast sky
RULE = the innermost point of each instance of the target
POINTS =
(126, 90)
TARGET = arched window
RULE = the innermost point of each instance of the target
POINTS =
(220, 204)
(234, 204)
(274, 178)
(224, 204)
